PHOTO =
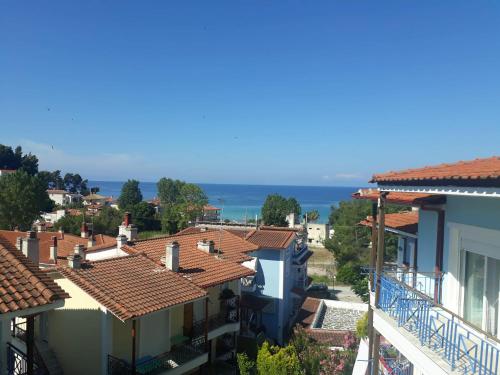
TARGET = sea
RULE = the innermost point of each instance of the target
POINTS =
(240, 202)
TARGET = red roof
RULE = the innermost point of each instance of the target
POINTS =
(22, 284)
(209, 207)
(403, 221)
(202, 268)
(472, 172)
(407, 199)
(56, 191)
(65, 242)
(305, 317)
(133, 285)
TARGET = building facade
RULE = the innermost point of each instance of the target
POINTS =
(439, 306)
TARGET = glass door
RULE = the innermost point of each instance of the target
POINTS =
(481, 291)
(474, 288)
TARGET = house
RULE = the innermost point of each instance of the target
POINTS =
(4, 172)
(438, 307)
(317, 234)
(272, 298)
(62, 197)
(128, 315)
(27, 296)
(276, 258)
(95, 200)
(216, 272)
(210, 214)
(55, 247)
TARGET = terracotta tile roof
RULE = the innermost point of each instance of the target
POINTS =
(271, 239)
(202, 268)
(56, 191)
(327, 336)
(209, 207)
(403, 221)
(305, 317)
(407, 199)
(22, 284)
(133, 286)
(473, 171)
(65, 243)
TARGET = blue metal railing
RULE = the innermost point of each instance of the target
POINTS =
(463, 346)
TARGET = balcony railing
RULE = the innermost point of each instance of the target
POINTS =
(17, 362)
(466, 348)
(177, 357)
(228, 314)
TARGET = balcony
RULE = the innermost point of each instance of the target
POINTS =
(226, 320)
(188, 356)
(17, 362)
(412, 301)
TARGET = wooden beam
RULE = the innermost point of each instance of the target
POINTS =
(30, 343)
(206, 324)
(134, 334)
(373, 257)
(378, 270)
(438, 268)
(380, 244)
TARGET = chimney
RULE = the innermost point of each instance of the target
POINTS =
(91, 241)
(127, 228)
(127, 220)
(19, 243)
(61, 232)
(121, 240)
(206, 246)
(30, 247)
(172, 256)
(75, 259)
(85, 231)
(53, 249)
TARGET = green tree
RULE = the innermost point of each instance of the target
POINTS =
(293, 206)
(312, 216)
(74, 183)
(273, 360)
(276, 208)
(107, 221)
(169, 191)
(14, 159)
(130, 195)
(52, 180)
(70, 224)
(181, 203)
(22, 198)
(144, 216)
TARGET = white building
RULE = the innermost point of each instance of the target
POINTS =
(3, 172)
(317, 234)
(439, 307)
(62, 197)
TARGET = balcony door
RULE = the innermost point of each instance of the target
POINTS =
(481, 290)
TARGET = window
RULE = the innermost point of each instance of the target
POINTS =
(481, 290)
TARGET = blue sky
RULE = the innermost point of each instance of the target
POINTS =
(263, 92)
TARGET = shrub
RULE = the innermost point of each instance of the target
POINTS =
(362, 326)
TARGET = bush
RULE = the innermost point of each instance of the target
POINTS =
(245, 364)
(361, 289)
(362, 326)
(349, 274)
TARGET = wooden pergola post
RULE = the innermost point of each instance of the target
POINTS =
(206, 326)
(134, 334)
(378, 270)
(30, 344)
(373, 257)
